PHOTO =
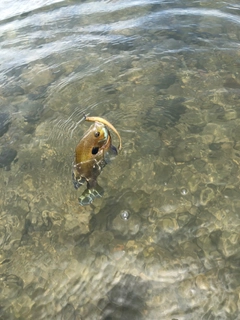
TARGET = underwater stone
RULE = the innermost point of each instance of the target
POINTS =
(98, 240)
(127, 228)
(68, 312)
(11, 286)
(202, 282)
(167, 81)
(2, 235)
(162, 173)
(7, 156)
(229, 243)
(186, 151)
(37, 75)
(206, 195)
(231, 193)
(10, 91)
(22, 306)
(183, 218)
(4, 123)
(168, 225)
(186, 290)
(194, 182)
(199, 165)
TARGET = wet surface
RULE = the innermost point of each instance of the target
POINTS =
(163, 241)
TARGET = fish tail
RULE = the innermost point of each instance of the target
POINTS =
(90, 194)
(77, 182)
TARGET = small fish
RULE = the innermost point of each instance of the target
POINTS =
(92, 153)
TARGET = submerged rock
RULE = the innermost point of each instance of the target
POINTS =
(4, 123)
(6, 157)
(125, 227)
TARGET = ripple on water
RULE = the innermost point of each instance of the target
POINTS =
(163, 242)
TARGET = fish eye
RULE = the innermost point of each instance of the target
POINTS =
(95, 150)
(97, 134)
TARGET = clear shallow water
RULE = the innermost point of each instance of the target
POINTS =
(166, 74)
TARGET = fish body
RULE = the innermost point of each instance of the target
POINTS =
(91, 155)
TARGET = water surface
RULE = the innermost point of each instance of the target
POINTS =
(163, 242)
